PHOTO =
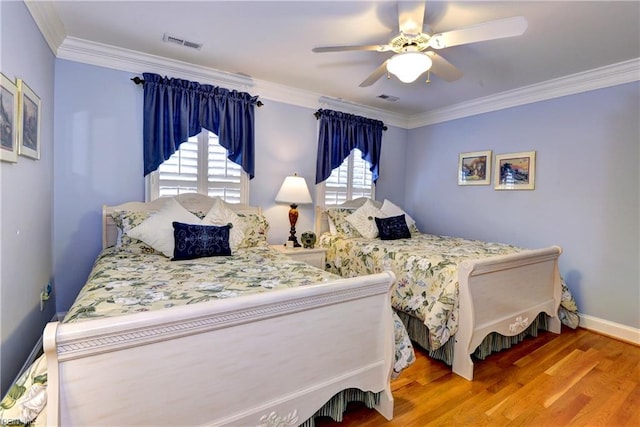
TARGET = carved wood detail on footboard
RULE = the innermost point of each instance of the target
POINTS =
(254, 360)
(504, 294)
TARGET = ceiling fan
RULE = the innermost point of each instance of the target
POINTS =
(414, 45)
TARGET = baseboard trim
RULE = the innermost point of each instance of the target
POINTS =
(614, 330)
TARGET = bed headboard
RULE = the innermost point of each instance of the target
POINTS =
(191, 201)
(322, 220)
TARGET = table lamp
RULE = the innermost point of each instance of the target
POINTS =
(294, 191)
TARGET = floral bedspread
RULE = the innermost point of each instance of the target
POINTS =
(426, 270)
(123, 283)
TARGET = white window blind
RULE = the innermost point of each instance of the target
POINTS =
(351, 180)
(201, 166)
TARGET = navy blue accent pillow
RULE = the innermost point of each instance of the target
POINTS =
(392, 228)
(197, 241)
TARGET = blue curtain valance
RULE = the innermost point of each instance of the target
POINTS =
(176, 109)
(339, 134)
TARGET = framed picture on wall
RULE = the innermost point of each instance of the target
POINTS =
(515, 171)
(474, 168)
(29, 120)
(8, 120)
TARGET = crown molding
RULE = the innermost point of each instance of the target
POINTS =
(103, 55)
(599, 78)
(107, 56)
(46, 18)
(84, 51)
(307, 99)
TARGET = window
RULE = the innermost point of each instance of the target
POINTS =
(200, 166)
(351, 180)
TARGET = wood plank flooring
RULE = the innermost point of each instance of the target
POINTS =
(578, 378)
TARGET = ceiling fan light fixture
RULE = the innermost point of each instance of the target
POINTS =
(408, 66)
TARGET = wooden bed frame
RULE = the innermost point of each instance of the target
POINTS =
(269, 359)
(502, 294)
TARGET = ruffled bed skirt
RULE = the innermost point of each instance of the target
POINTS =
(492, 343)
(419, 333)
(336, 407)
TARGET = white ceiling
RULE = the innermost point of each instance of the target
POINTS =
(271, 41)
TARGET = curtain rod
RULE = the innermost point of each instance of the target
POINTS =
(137, 80)
(317, 114)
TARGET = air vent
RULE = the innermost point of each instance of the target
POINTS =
(178, 40)
(388, 98)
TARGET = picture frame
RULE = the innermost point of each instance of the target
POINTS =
(515, 171)
(9, 134)
(474, 168)
(29, 120)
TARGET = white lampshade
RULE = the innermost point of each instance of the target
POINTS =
(408, 66)
(294, 190)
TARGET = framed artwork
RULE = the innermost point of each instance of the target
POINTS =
(8, 120)
(515, 171)
(29, 120)
(474, 168)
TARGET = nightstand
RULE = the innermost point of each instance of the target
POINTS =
(315, 257)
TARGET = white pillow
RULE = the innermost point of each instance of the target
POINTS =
(332, 227)
(388, 209)
(363, 219)
(157, 230)
(220, 214)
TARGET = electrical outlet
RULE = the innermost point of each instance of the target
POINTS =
(45, 294)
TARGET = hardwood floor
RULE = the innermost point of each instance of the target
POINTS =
(578, 378)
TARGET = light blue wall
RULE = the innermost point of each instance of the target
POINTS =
(586, 198)
(26, 189)
(391, 184)
(99, 161)
(285, 144)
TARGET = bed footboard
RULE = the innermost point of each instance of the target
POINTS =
(260, 360)
(504, 294)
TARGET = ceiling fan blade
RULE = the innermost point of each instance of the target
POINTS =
(501, 28)
(410, 17)
(443, 68)
(375, 76)
(373, 47)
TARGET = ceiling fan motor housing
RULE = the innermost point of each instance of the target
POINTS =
(415, 44)
(403, 42)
